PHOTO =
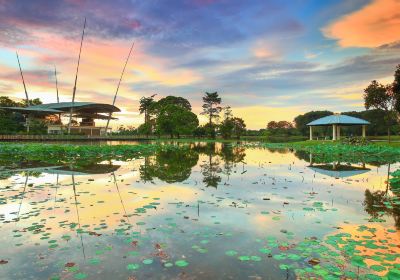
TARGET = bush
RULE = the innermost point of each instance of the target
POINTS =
(355, 141)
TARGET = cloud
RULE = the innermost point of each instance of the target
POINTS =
(375, 24)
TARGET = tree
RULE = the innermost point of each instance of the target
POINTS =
(211, 108)
(239, 127)
(10, 122)
(380, 96)
(396, 87)
(301, 121)
(176, 120)
(145, 105)
(226, 128)
(174, 100)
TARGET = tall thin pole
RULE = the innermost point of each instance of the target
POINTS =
(119, 83)
(76, 79)
(26, 92)
(55, 75)
(23, 81)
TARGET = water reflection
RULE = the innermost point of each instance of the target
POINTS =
(206, 211)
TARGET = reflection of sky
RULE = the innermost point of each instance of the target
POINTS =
(210, 212)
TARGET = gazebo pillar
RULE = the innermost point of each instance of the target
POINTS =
(334, 130)
(364, 131)
(311, 136)
(338, 133)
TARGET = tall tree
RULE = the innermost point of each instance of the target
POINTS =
(396, 88)
(211, 107)
(145, 105)
(380, 96)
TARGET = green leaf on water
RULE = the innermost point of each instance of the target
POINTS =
(80, 275)
(147, 261)
(133, 266)
(181, 263)
(231, 253)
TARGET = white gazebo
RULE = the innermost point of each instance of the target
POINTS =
(337, 121)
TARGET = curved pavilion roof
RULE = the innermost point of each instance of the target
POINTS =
(91, 108)
(338, 119)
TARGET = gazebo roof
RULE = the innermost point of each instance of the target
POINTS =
(338, 119)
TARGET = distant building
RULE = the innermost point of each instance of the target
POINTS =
(87, 112)
(336, 121)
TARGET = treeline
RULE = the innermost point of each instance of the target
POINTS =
(172, 116)
(382, 104)
(13, 123)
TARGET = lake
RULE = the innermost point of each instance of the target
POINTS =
(207, 211)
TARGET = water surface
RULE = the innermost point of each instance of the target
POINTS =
(214, 211)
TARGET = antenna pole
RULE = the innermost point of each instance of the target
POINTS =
(55, 75)
(26, 92)
(76, 79)
(23, 81)
(119, 83)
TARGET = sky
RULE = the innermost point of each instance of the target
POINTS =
(268, 60)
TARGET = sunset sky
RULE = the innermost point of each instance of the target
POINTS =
(268, 60)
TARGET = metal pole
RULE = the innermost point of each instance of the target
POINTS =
(119, 83)
(55, 75)
(23, 81)
(26, 92)
(76, 79)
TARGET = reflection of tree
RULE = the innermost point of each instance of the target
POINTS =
(210, 170)
(379, 203)
(231, 156)
(169, 166)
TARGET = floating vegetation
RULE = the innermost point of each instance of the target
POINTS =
(202, 210)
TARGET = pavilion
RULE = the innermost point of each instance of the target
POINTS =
(336, 121)
(86, 111)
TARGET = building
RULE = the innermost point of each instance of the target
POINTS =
(336, 121)
(84, 115)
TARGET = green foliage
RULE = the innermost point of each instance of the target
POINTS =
(396, 87)
(226, 128)
(145, 105)
(378, 96)
(174, 100)
(129, 130)
(239, 127)
(176, 120)
(37, 127)
(12, 123)
(301, 122)
(145, 129)
(357, 141)
(211, 108)
(281, 128)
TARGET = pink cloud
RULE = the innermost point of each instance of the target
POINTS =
(375, 24)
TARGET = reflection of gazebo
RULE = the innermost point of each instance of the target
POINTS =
(338, 171)
(336, 121)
